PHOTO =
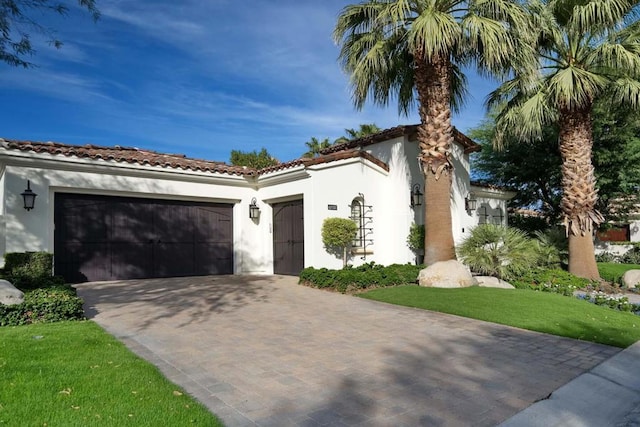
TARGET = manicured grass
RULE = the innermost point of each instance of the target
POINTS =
(75, 374)
(613, 271)
(537, 311)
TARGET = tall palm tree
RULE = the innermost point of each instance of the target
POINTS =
(412, 51)
(583, 50)
(315, 146)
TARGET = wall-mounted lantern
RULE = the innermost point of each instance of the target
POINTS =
(416, 196)
(254, 210)
(29, 197)
(470, 204)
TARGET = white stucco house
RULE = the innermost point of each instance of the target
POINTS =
(119, 213)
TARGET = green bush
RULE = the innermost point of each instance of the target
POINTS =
(498, 251)
(362, 277)
(606, 257)
(51, 304)
(632, 256)
(550, 280)
(552, 248)
(30, 270)
(415, 239)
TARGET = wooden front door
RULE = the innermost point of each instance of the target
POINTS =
(288, 237)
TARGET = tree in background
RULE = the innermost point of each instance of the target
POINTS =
(532, 168)
(412, 51)
(20, 17)
(314, 146)
(253, 159)
(581, 51)
(365, 129)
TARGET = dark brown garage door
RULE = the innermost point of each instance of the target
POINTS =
(110, 238)
(288, 238)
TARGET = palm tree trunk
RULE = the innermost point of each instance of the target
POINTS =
(579, 194)
(435, 137)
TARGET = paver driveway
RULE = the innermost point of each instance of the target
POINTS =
(266, 351)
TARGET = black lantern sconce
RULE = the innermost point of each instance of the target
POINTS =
(470, 204)
(29, 197)
(254, 210)
(416, 196)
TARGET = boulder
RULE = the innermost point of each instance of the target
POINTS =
(493, 282)
(631, 279)
(446, 274)
(9, 294)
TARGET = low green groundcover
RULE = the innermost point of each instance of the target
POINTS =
(537, 311)
(75, 374)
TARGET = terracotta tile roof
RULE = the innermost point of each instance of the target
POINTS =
(128, 155)
(326, 158)
(347, 150)
(410, 130)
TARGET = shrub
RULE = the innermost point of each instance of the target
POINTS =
(606, 257)
(43, 306)
(30, 270)
(553, 248)
(362, 277)
(415, 239)
(550, 280)
(498, 251)
(632, 256)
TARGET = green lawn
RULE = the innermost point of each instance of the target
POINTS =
(537, 311)
(75, 374)
(613, 271)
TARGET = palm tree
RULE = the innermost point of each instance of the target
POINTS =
(412, 51)
(315, 146)
(583, 50)
(365, 129)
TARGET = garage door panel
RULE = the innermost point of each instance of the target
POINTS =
(214, 258)
(86, 223)
(110, 238)
(216, 219)
(81, 262)
(131, 260)
(173, 223)
(131, 222)
(174, 259)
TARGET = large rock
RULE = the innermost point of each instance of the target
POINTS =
(9, 294)
(631, 279)
(493, 282)
(446, 274)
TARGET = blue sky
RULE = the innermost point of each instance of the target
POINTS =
(197, 77)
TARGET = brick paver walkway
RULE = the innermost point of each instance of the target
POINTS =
(266, 351)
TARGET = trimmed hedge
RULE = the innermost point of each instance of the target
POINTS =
(30, 270)
(351, 279)
(47, 305)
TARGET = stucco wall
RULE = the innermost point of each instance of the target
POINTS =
(33, 230)
(336, 183)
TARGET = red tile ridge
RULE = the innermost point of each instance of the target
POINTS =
(130, 155)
